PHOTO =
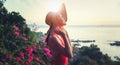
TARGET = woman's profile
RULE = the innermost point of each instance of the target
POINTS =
(57, 37)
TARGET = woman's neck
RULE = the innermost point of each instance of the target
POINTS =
(53, 29)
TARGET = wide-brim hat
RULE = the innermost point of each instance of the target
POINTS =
(51, 15)
(63, 11)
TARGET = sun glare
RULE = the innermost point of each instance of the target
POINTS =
(54, 5)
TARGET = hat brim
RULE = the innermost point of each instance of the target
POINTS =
(63, 11)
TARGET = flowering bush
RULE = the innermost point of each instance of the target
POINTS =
(47, 51)
(18, 44)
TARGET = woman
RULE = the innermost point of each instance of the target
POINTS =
(57, 38)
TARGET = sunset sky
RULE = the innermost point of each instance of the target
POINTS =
(80, 12)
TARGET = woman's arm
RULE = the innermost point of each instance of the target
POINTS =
(56, 48)
(68, 47)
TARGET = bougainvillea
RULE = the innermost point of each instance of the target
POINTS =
(17, 46)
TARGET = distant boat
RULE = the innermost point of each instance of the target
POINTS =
(117, 43)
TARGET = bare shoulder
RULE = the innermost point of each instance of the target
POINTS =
(54, 41)
(52, 38)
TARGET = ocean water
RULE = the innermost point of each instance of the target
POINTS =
(101, 34)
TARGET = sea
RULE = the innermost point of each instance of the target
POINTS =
(103, 35)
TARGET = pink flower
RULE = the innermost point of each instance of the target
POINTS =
(49, 54)
(46, 49)
(24, 34)
(18, 59)
(17, 33)
(3, 59)
(37, 58)
(10, 55)
(26, 63)
(24, 26)
(34, 47)
(21, 54)
(30, 58)
(25, 39)
(15, 27)
(29, 50)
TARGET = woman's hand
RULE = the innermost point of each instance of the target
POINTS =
(68, 48)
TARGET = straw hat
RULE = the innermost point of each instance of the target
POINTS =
(63, 11)
(52, 16)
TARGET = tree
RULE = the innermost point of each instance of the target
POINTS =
(92, 56)
(1, 4)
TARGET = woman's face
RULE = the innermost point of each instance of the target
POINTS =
(61, 20)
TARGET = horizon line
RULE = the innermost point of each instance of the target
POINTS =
(77, 25)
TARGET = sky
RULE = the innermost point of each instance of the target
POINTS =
(80, 12)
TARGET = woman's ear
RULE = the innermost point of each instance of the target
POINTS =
(63, 11)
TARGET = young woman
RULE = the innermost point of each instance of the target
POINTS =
(57, 38)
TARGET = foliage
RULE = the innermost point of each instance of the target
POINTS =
(92, 56)
(17, 42)
(39, 35)
(1, 3)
